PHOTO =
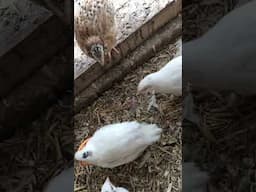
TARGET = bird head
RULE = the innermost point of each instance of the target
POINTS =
(108, 186)
(97, 53)
(145, 85)
(83, 154)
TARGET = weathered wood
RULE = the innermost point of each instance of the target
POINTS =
(128, 41)
(19, 18)
(163, 37)
(38, 92)
(29, 35)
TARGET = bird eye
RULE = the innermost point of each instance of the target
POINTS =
(86, 154)
(97, 49)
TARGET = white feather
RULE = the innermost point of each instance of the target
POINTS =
(166, 80)
(178, 46)
(119, 143)
(109, 187)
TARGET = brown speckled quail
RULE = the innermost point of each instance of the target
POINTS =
(95, 28)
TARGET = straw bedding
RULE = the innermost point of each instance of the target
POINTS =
(159, 168)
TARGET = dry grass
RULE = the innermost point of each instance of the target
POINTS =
(159, 168)
(38, 152)
(223, 143)
(230, 159)
(199, 16)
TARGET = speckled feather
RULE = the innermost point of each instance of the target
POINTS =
(95, 22)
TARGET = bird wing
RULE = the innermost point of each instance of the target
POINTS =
(118, 141)
(169, 78)
(108, 27)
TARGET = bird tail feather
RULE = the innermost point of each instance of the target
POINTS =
(151, 132)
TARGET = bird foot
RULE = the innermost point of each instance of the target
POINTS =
(109, 57)
(110, 54)
(116, 50)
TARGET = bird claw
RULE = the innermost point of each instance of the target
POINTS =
(109, 57)
(116, 50)
(110, 54)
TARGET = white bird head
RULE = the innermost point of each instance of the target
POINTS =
(109, 187)
(84, 154)
(146, 84)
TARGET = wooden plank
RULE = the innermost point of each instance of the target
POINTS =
(163, 37)
(141, 30)
(26, 32)
(37, 93)
(19, 18)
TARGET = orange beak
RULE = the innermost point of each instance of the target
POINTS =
(82, 163)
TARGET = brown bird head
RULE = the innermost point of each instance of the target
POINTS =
(97, 53)
(94, 47)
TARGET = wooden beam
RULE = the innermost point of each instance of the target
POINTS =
(26, 102)
(144, 30)
(30, 34)
(163, 37)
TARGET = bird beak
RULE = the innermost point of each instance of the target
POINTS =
(83, 163)
(141, 90)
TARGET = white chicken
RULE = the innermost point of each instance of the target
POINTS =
(64, 182)
(117, 144)
(193, 179)
(166, 80)
(109, 187)
(224, 57)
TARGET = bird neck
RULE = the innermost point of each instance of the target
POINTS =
(93, 40)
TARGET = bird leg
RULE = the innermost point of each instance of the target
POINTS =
(110, 55)
(152, 102)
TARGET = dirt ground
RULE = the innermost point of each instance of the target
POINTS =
(159, 168)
